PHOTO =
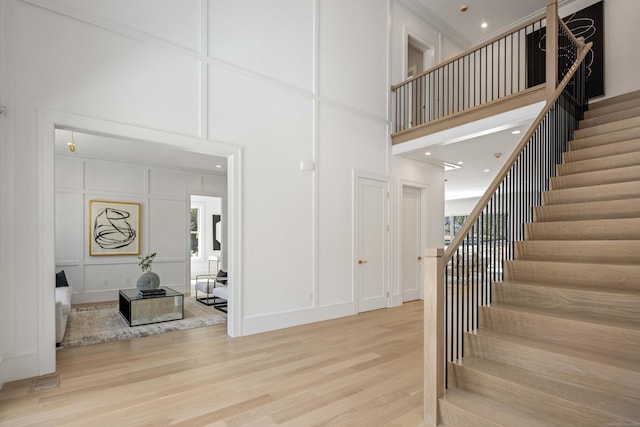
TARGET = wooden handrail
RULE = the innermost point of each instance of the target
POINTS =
(475, 213)
(578, 41)
(473, 49)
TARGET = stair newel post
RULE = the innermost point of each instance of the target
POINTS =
(551, 40)
(434, 363)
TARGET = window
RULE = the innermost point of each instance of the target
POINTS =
(195, 232)
(452, 225)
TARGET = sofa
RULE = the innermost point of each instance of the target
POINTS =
(63, 305)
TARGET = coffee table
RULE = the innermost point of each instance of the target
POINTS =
(138, 310)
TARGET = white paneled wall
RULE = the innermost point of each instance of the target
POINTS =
(164, 208)
(269, 82)
(274, 39)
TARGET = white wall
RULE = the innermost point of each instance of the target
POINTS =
(280, 81)
(163, 198)
(404, 23)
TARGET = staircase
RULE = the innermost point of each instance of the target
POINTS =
(560, 343)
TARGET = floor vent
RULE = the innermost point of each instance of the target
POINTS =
(45, 383)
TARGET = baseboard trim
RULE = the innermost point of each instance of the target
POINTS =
(272, 322)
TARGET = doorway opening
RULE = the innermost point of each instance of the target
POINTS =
(413, 238)
(206, 237)
(419, 57)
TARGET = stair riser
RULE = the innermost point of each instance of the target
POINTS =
(611, 209)
(614, 306)
(589, 251)
(588, 276)
(607, 128)
(596, 112)
(618, 191)
(602, 151)
(599, 229)
(592, 165)
(608, 138)
(529, 400)
(562, 367)
(621, 342)
(610, 118)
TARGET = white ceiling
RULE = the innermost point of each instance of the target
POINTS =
(499, 15)
(138, 152)
(475, 145)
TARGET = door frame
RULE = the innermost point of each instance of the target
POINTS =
(424, 193)
(357, 175)
(48, 122)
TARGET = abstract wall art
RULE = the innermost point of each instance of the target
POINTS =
(587, 23)
(217, 232)
(114, 228)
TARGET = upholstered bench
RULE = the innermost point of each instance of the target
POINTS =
(63, 307)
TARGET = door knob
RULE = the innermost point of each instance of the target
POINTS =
(361, 261)
(419, 258)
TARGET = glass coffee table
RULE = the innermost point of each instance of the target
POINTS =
(142, 310)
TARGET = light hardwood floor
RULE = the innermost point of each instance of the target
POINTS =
(363, 370)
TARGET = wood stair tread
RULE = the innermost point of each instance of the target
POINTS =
(585, 229)
(591, 251)
(599, 209)
(583, 331)
(599, 177)
(592, 193)
(595, 357)
(600, 151)
(571, 286)
(607, 138)
(603, 129)
(609, 304)
(585, 398)
(614, 100)
(601, 163)
(611, 116)
(605, 110)
(491, 413)
(590, 319)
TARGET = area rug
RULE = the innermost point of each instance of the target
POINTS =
(94, 325)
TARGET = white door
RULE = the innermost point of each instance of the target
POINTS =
(372, 242)
(411, 244)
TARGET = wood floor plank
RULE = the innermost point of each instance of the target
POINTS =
(357, 370)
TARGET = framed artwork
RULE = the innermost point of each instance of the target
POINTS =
(114, 228)
(587, 23)
(217, 232)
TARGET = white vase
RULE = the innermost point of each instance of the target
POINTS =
(148, 280)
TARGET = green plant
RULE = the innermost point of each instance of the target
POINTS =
(146, 261)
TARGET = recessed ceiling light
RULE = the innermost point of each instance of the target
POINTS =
(428, 153)
(218, 166)
(515, 132)
(487, 170)
(460, 163)
(484, 25)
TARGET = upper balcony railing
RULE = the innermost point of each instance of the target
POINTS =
(503, 66)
